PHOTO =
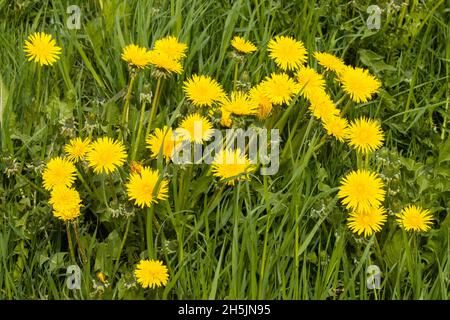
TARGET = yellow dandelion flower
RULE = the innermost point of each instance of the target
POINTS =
(361, 190)
(242, 45)
(231, 166)
(358, 83)
(171, 47)
(280, 88)
(151, 274)
(336, 126)
(322, 106)
(105, 155)
(239, 104)
(164, 62)
(41, 48)
(365, 135)
(262, 100)
(58, 171)
(141, 187)
(288, 53)
(66, 202)
(310, 82)
(203, 90)
(330, 62)
(225, 119)
(195, 128)
(414, 218)
(367, 221)
(136, 56)
(77, 148)
(164, 141)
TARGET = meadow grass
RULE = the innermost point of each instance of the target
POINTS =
(273, 237)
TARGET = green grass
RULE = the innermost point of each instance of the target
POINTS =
(274, 237)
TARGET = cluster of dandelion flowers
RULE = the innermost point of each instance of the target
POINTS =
(361, 190)
(163, 141)
(365, 135)
(322, 106)
(195, 128)
(105, 155)
(58, 171)
(77, 149)
(136, 56)
(41, 48)
(310, 82)
(151, 274)
(66, 202)
(146, 187)
(330, 62)
(242, 45)
(231, 165)
(358, 83)
(171, 47)
(414, 218)
(239, 104)
(262, 101)
(279, 87)
(288, 53)
(203, 90)
(336, 126)
(367, 221)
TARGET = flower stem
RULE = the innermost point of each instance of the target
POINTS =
(150, 232)
(80, 247)
(154, 106)
(125, 235)
(127, 106)
(138, 137)
(236, 70)
(69, 240)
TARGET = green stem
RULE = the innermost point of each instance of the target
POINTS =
(125, 235)
(111, 182)
(154, 106)
(359, 160)
(150, 232)
(127, 105)
(80, 247)
(236, 70)
(69, 240)
(138, 137)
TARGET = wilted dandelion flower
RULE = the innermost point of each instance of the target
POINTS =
(279, 87)
(365, 135)
(151, 274)
(361, 190)
(164, 141)
(329, 62)
(262, 100)
(231, 166)
(358, 83)
(77, 148)
(164, 62)
(58, 171)
(336, 126)
(367, 221)
(242, 45)
(66, 202)
(288, 53)
(171, 47)
(136, 56)
(136, 166)
(225, 119)
(203, 90)
(195, 128)
(239, 104)
(309, 81)
(41, 48)
(414, 218)
(322, 106)
(142, 185)
(105, 155)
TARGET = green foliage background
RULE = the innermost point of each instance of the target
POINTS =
(276, 237)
